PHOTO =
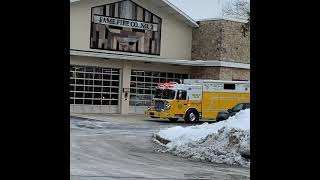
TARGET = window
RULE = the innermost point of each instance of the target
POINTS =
(230, 86)
(182, 95)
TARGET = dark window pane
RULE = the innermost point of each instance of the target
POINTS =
(230, 86)
(140, 73)
(79, 88)
(72, 81)
(80, 75)
(105, 96)
(78, 101)
(147, 79)
(170, 75)
(185, 76)
(107, 76)
(97, 82)
(98, 69)
(182, 95)
(114, 102)
(97, 89)
(105, 102)
(115, 77)
(163, 80)
(71, 88)
(155, 80)
(88, 95)
(72, 68)
(88, 88)
(163, 74)
(89, 69)
(97, 95)
(71, 94)
(116, 90)
(132, 90)
(148, 73)
(89, 76)
(141, 91)
(106, 89)
(71, 101)
(133, 84)
(177, 76)
(96, 102)
(147, 91)
(71, 74)
(114, 96)
(98, 76)
(106, 83)
(141, 79)
(79, 95)
(133, 78)
(140, 85)
(89, 82)
(79, 81)
(157, 74)
(114, 83)
(147, 85)
(88, 101)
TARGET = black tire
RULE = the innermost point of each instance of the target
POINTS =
(192, 116)
(220, 119)
(173, 119)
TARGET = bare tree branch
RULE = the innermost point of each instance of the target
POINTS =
(237, 9)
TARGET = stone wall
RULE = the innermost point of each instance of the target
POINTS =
(220, 73)
(221, 40)
(206, 73)
(233, 74)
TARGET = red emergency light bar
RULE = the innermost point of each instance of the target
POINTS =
(169, 84)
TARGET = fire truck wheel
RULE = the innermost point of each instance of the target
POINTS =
(173, 119)
(192, 116)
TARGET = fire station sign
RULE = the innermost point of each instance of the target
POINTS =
(124, 23)
(125, 26)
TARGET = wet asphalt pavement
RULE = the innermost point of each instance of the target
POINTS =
(121, 147)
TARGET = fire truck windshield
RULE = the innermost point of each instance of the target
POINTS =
(165, 94)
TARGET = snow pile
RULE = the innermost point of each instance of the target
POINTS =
(222, 142)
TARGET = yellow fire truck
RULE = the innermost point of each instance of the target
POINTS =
(196, 99)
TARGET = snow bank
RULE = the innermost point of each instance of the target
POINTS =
(222, 142)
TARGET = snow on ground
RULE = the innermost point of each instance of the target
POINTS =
(222, 142)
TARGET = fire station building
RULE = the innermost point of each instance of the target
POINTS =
(121, 49)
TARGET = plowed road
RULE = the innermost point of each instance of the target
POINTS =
(121, 147)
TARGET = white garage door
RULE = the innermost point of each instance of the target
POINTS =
(143, 84)
(94, 89)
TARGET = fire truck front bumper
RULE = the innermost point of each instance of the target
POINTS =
(157, 114)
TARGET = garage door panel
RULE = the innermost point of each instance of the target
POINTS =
(94, 89)
(142, 87)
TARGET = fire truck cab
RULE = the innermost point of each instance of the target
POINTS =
(196, 99)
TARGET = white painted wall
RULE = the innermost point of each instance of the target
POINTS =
(176, 36)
